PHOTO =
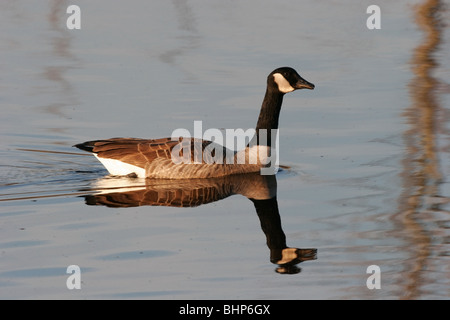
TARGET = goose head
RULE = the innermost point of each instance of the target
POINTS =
(286, 80)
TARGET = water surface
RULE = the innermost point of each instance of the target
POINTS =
(366, 154)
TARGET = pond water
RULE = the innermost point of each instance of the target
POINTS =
(365, 155)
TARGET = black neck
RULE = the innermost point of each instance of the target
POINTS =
(268, 117)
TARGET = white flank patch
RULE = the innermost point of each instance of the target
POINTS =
(119, 168)
(256, 155)
(261, 153)
(283, 85)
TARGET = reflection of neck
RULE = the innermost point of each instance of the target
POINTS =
(270, 220)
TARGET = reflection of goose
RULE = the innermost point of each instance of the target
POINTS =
(156, 158)
(180, 193)
(260, 189)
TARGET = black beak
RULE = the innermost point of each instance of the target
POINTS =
(303, 84)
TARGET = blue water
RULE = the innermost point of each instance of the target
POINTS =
(366, 153)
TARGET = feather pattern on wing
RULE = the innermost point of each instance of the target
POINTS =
(193, 158)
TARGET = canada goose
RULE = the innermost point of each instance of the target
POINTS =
(154, 158)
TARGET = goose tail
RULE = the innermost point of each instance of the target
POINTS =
(86, 146)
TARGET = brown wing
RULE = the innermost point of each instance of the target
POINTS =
(137, 152)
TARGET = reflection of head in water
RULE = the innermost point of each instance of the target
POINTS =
(285, 257)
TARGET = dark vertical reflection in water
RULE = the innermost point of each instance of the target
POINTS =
(421, 174)
(188, 35)
(55, 73)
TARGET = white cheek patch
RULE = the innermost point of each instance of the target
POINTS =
(283, 85)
